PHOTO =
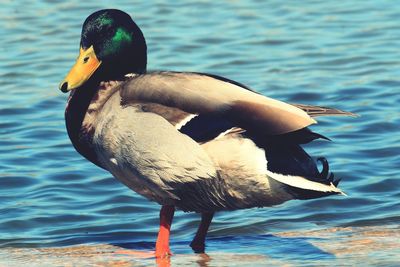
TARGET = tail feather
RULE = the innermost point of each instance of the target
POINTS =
(317, 111)
(289, 164)
(303, 180)
(303, 188)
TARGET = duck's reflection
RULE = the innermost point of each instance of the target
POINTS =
(201, 259)
(163, 262)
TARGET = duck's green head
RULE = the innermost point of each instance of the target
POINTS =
(112, 45)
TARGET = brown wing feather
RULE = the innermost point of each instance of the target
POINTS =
(200, 94)
(171, 114)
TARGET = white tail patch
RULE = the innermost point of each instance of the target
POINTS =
(225, 133)
(130, 75)
(183, 122)
(303, 183)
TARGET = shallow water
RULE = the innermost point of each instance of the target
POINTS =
(344, 55)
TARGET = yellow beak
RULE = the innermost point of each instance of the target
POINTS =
(86, 64)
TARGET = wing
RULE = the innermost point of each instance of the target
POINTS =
(200, 127)
(206, 95)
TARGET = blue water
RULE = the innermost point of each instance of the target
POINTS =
(344, 55)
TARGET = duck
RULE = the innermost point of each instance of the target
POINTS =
(190, 141)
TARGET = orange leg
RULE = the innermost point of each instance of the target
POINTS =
(198, 243)
(162, 245)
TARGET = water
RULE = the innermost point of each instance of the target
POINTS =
(336, 54)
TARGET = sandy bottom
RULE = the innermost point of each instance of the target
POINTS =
(351, 246)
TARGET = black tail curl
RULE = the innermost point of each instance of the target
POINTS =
(285, 155)
(325, 175)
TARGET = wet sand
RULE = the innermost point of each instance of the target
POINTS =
(344, 246)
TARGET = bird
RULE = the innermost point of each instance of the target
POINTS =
(190, 141)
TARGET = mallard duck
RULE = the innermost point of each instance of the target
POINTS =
(190, 141)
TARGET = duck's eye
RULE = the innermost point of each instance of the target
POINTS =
(86, 59)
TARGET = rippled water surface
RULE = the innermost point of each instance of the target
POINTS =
(330, 53)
